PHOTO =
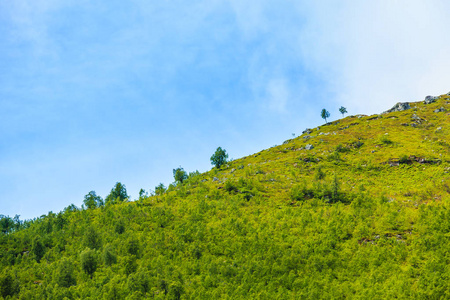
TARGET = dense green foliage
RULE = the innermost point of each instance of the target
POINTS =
(364, 214)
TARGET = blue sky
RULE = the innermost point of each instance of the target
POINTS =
(95, 93)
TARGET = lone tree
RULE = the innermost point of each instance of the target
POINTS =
(118, 194)
(342, 110)
(219, 158)
(325, 114)
(91, 200)
(179, 174)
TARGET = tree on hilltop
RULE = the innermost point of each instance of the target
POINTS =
(342, 110)
(118, 194)
(325, 114)
(179, 174)
(219, 158)
(91, 200)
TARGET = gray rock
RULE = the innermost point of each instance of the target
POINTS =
(429, 99)
(306, 137)
(233, 170)
(439, 110)
(400, 106)
(309, 147)
(215, 179)
(439, 128)
(307, 131)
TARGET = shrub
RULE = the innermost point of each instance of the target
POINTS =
(341, 149)
(38, 249)
(92, 239)
(300, 192)
(130, 265)
(109, 257)
(8, 286)
(385, 140)
(64, 274)
(88, 261)
(404, 159)
(320, 174)
(133, 247)
(230, 187)
(120, 227)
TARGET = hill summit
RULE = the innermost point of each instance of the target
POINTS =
(355, 208)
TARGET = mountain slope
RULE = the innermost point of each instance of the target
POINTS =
(354, 208)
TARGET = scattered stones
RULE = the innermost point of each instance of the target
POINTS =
(203, 180)
(287, 141)
(307, 131)
(439, 128)
(306, 137)
(233, 170)
(215, 179)
(309, 147)
(442, 109)
(429, 99)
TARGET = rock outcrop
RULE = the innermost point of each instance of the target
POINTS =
(429, 99)
(400, 106)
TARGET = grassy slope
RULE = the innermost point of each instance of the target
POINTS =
(266, 226)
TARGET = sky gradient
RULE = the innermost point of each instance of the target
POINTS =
(95, 93)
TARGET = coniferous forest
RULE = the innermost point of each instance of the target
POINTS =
(355, 208)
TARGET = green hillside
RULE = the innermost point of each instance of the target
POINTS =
(357, 208)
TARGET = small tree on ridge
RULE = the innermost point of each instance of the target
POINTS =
(342, 110)
(325, 114)
(219, 158)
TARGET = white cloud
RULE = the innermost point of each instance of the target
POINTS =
(379, 53)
